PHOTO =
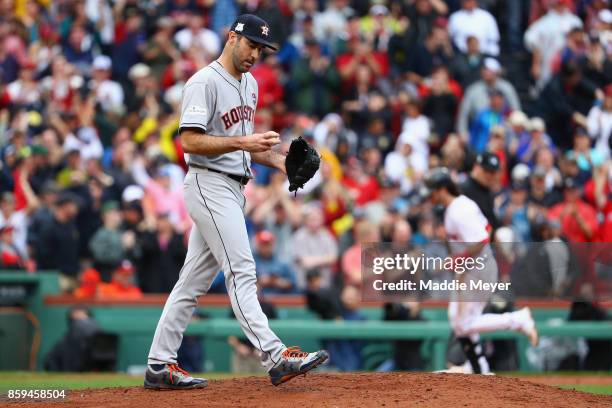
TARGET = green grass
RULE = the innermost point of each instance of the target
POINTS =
(592, 388)
(73, 381)
(556, 374)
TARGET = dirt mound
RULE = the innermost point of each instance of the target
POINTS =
(344, 390)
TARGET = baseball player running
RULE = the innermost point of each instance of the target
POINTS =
(216, 129)
(467, 231)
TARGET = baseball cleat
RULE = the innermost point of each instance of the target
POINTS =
(457, 369)
(295, 362)
(171, 377)
(461, 369)
(528, 328)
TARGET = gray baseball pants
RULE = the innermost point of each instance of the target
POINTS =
(218, 241)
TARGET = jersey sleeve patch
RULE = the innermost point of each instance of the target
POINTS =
(195, 108)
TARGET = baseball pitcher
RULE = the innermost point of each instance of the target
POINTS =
(216, 130)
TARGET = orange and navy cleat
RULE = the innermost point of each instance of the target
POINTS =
(295, 362)
(171, 377)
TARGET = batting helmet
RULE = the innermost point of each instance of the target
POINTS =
(438, 178)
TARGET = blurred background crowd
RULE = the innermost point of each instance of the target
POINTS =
(514, 97)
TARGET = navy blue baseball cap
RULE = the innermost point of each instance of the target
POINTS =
(489, 161)
(254, 28)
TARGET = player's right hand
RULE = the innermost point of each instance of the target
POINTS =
(260, 142)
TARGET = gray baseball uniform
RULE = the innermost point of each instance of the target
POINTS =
(219, 105)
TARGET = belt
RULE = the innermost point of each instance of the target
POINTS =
(241, 179)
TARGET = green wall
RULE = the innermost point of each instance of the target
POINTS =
(136, 325)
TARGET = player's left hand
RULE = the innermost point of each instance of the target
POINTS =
(301, 163)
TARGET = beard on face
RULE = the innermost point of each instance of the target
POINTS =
(241, 65)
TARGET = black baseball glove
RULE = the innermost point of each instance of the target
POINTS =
(302, 162)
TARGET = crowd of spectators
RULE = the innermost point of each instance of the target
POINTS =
(91, 164)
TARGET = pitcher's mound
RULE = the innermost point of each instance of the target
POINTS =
(347, 390)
